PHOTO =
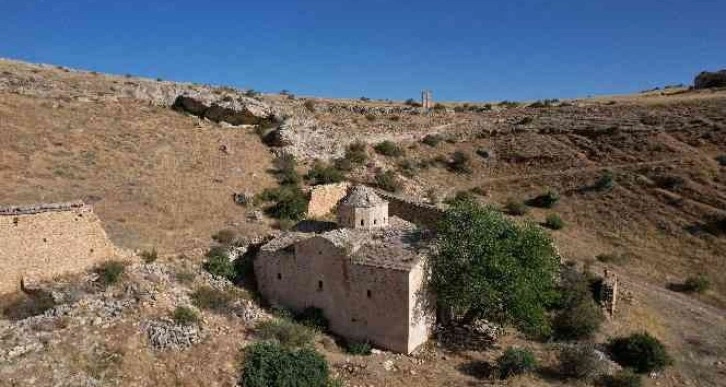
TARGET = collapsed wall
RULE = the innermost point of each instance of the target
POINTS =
(43, 241)
(416, 212)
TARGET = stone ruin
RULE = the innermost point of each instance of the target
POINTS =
(609, 293)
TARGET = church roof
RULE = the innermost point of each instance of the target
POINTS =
(362, 196)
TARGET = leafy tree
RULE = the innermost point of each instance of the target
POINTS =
(516, 361)
(218, 263)
(579, 316)
(487, 266)
(641, 352)
(580, 362)
(322, 173)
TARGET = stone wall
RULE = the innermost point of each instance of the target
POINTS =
(324, 198)
(44, 241)
(416, 212)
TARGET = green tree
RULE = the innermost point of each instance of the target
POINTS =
(268, 364)
(487, 266)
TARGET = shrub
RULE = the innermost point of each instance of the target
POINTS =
(516, 361)
(288, 333)
(578, 316)
(721, 160)
(271, 365)
(697, 284)
(218, 263)
(408, 168)
(149, 256)
(371, 117)
(322, 173)
(624, 378)
(291, 203)
(432, 139)
(525, 121)
(515, 207)
(616, 258)
(356, 153)
(606, 182)
(460, 196)
(285, 169)
(209, 298)
(546, 200)
(388, 148)
(387, 181)
(439, 106)
(580, 362)
(358, 348)
(460, 162)
(184, 315)
(110, 272)
(484, 153)
(185, 276)
(343, 164)
(641, 352)
(412, 102)
(554, 222)
(314, 318)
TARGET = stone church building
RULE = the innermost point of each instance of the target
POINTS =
(366, 275)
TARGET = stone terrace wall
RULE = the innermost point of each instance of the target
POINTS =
(413, 211)
(47, 240)
(324, 198)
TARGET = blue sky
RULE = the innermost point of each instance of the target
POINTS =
(462, 50)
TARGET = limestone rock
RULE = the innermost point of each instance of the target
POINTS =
(235, 110)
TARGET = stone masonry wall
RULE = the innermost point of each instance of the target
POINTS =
(44, 241)
(415, 212)
(324, 198)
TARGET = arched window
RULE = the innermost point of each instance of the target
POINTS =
(362, 222)
(320, 285)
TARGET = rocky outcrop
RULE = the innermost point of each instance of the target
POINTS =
(707, 80)
(234, 110)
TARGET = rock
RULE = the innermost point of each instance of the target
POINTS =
(388, 365)
(243, 198)
(234, 110)
(706, 79)
(164, 335)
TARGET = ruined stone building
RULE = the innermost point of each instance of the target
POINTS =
(367, 275)
(42, 241)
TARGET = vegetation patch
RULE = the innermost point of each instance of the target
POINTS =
(546, 200)
(580, 362)
(322, 173)
(515, 207)
(149, 256)
(286, 332)
(624, 378)
(641, 352)
(209, 298)
(290, 202)
(362, 348)
(579, 316)
(432, 139)
(184, 315)
(388, 181)
(110, 272)
(388, 148)
(218, 263)
(268, 364)
(460, 163)
(554, 222)
(516, 361)
(356, 153)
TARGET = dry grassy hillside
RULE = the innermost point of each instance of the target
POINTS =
(157, 177)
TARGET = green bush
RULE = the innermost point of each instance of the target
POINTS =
(579, 316)
(371, 117)
(184, 315)
(388, 181)
(580, 362)
(149, 256)
(267, 364)
(460, 163)
(606, 182)
(110, 272)
(412, 102)
(408, 168)
(439, 106)
(356, 153)
(218, 263)
(460, 196)
(286, 332)
(225, 237)
(515, 207)
(388, 148)
(314, 318)
(362, 348)
(285, 171)
(546, 200)
(516, 361)
(209, 298)
(554, 222)
(624, 378)
(322, 173)
(697, 284)
(641, 352)
(432, 139)
(291, 203)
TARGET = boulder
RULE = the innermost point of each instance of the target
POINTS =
(706, 79)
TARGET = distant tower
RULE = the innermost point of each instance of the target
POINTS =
(362, 208)
(427, 99)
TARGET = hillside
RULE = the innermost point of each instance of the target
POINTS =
(165, 179)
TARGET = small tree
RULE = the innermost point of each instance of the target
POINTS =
(388, 148)
(218, 263)
(322, 173)
(554, 222)
(516, 361)
(546, 200)
(110, 272)
(184, 315)
(487, 266)
(580, 362)
(432, 139)
(697, 284)
(641, 352)
(387, 180)
(515, 207)
(578, 316)
(271, 365)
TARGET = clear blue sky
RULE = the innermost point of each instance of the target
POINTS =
(462, 50)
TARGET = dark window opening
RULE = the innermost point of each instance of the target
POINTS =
(279, 276)
(15, 221)
(361, 222)
(45, 240)
(320, 285)
(375, 221)
(368, 293)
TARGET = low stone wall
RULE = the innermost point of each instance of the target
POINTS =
(416, 212)
(324, 198)
(47, 240)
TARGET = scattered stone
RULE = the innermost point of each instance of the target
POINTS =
(164, 334)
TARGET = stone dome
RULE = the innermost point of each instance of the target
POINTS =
(362, 208)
